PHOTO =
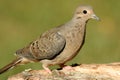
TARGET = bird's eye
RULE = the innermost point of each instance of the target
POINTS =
(84, 11)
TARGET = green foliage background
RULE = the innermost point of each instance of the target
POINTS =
(22, 21)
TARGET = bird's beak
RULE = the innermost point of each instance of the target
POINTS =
(95, 17)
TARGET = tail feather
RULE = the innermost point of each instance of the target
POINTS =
(10, 65)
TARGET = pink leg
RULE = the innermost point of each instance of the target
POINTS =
(47, 69)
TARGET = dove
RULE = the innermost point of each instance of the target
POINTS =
(58, 45)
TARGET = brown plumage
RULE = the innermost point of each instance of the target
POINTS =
(58, 45)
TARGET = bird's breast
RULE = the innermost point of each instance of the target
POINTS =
(74, 41)
(75, 37)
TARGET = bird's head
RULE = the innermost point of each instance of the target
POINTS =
(85, 13)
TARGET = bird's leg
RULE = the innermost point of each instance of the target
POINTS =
(62, 65)
(46, 68)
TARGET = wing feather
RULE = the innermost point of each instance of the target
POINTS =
(47, 46)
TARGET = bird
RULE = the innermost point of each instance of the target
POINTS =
(57, 45)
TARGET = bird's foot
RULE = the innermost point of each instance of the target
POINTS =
(47, 69)
(65, 67)
(68, 68)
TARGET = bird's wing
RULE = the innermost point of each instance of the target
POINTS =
(47, 46)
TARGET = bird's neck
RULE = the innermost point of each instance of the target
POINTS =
(79, 27)
(75, 27)
(78, 23)
(79, 20)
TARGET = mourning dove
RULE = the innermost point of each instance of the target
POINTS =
(58, 45)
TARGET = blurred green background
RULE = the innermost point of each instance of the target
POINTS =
(22, 21)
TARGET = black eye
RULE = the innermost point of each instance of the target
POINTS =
(84, 11)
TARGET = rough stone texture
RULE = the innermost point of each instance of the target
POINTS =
(79, 72)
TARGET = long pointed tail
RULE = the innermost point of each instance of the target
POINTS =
(10, 65)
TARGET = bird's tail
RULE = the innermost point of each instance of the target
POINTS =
(10, 65)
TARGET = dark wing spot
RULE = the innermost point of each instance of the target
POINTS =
(33, 43)
(33, 48)
(36, 42)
